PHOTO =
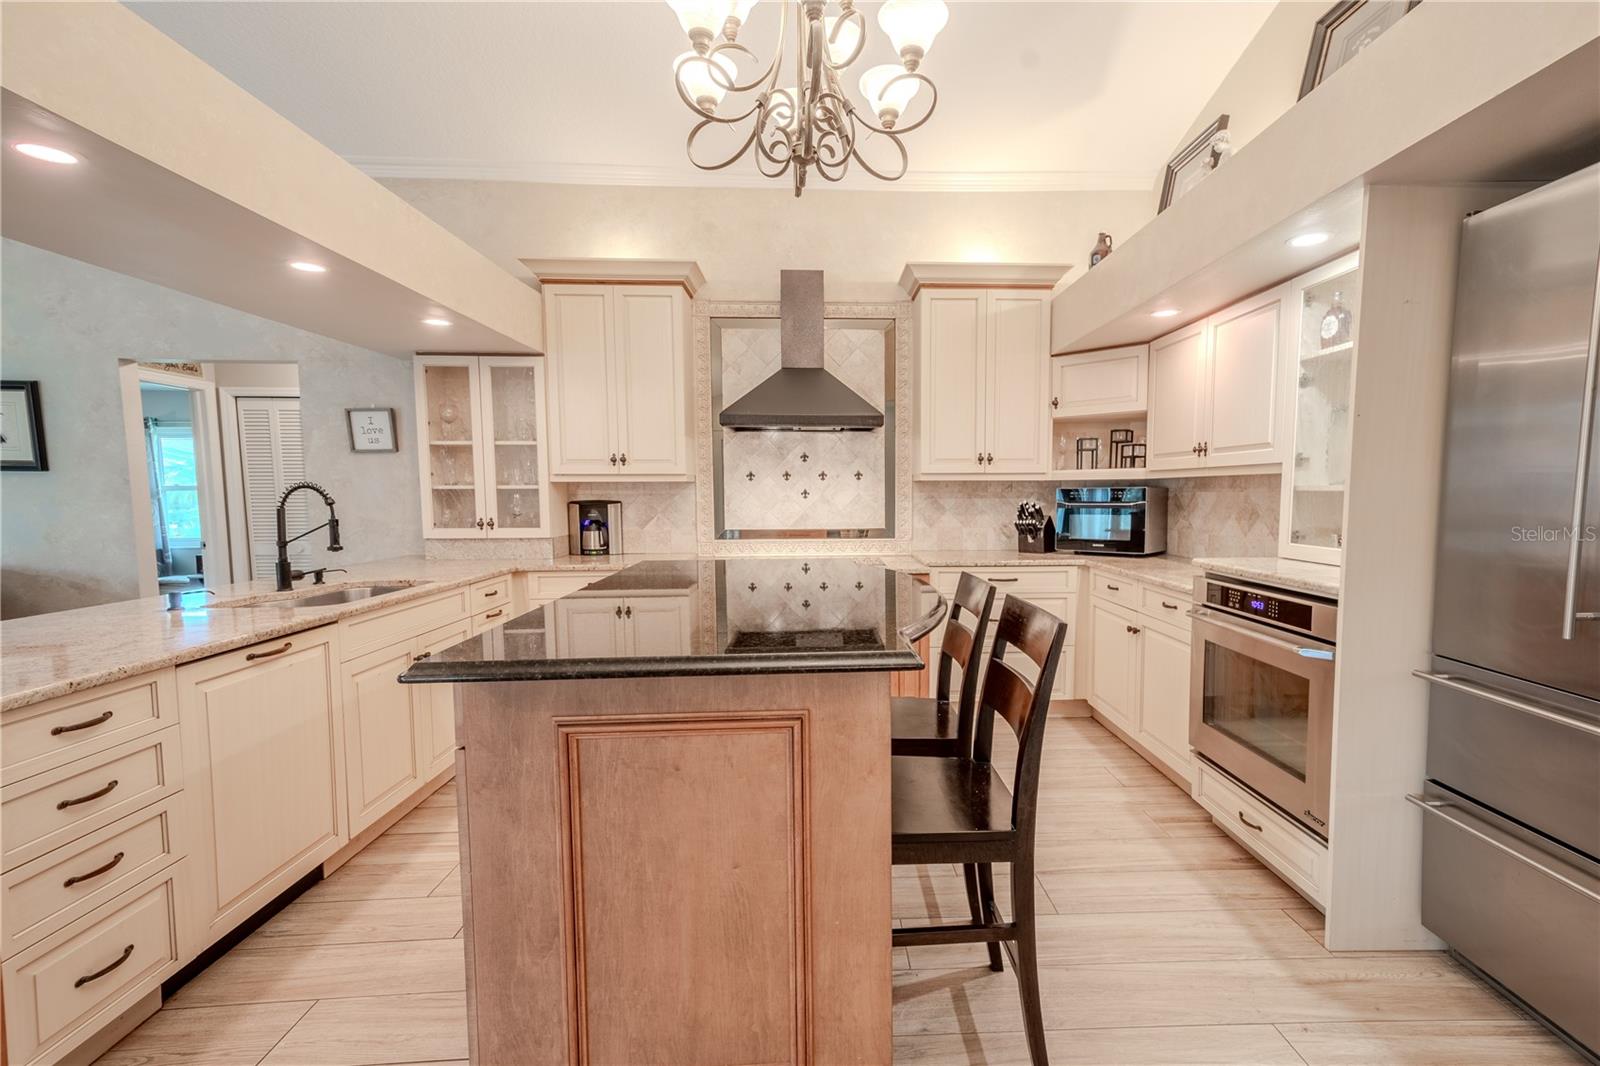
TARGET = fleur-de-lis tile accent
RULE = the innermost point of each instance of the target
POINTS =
(786, 475)
(805, 494)
(805, 568)
(788, 586)
(804, 458)
(823, 476)
(750, 475)
(805, 603)
(823, 586)
(859, 475)
(859, 586)
(751, 586)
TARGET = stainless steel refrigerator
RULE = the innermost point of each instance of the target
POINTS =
(1511, 826)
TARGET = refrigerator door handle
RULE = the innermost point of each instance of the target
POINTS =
(1439, 807)
(1571, 616)
(1482, 692)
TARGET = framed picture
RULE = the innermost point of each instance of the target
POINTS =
(372, 429)
(1190, 166)
(1347, 28)
(21, 427)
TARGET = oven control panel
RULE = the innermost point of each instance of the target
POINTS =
(1292, 613)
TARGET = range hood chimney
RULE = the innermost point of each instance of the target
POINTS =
(801, 394)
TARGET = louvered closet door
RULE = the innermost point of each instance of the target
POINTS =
(271, 458)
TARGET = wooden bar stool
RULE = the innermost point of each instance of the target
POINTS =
(924, 725)
(959, 810)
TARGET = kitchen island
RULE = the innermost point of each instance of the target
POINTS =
(674, 803)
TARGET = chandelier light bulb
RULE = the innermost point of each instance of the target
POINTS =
(700, 83)
(844, 46)
(911, 26)
(887, 97)
(701, 20)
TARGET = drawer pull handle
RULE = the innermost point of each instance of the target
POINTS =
(1113, 588)
(1169, 606)
(254, 655)
(1248, 822)
(78, 879)
(89, 724)
(1003, 580)
(494, 613)
(127, 953)
(491, 592)
(1483, 692)
(96, 794)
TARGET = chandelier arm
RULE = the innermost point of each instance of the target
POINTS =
(861, 39)
(905, 161)
(728, 120)
(735, 157)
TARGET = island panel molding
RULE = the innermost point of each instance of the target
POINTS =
(813, 749)
(644, 824)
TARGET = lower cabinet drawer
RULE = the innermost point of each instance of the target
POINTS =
(495, 593)
(37, 738)
(54, 890)
(1115, 588)
(69, 984)
(53, 808)
(490, 618)
(1294, 855)
(381, 629)
(1171, 607)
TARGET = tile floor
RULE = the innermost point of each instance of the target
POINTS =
(1162, 942)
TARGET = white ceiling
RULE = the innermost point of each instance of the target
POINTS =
(1032, 95)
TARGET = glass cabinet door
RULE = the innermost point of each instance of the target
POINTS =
(513, 392)
(1312, 525)
(449, 396)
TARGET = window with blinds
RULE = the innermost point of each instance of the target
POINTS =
(271, 458)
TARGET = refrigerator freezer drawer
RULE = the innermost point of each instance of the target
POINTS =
(1526, 917)
(1530, 753)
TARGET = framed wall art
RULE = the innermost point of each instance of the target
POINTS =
(1189, 167)
(1345, 31)
(372, 429)
(21, 427)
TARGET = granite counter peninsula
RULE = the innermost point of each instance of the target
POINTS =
(674, 803)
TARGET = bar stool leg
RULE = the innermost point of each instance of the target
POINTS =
(1027, 960)
(981, 915)
(991, 914)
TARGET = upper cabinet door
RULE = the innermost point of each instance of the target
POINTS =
(1017, 389)
(451, 454)
(1246, 419)
(516, 494)
(950, 382)
(578, 336)
(1178, 394)
(1109, 382)
(651, 370)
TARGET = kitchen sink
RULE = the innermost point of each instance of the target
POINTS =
(344, 595)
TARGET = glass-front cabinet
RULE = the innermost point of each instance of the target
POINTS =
(480, 422)
(1327, 301)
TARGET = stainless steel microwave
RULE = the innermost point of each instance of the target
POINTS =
(1112, 519)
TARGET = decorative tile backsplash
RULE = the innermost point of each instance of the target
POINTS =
(778, 479)
(1205, 516)
(657, 517)
(812, 594)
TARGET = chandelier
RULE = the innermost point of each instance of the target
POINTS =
(812, 124)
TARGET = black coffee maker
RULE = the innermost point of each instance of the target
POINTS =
(594, 527)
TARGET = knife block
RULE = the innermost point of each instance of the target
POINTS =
(1041, 543)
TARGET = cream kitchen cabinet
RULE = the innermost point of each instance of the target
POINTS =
(620, 382)
(1216, 389)
(1052, 589)
(983, 382)
(1139, 668)
(604, 627)
(263, 744)
(482, 451)
(1114, 663)
(1092, 384)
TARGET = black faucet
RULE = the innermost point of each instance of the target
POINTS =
(286, 573)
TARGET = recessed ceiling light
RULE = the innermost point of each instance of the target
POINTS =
(47, 154)
(1307, 240)
(1165, 312)
(307, 267)
(436, 322)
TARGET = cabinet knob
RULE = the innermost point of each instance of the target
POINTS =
(613, 458)
(989, 458)
(1205, 447)
(491, 523)
(480, 523)
(1055, 401)
(619, 610)
(980, 458)
(627, 612)
(624, 458)
(1134, 630)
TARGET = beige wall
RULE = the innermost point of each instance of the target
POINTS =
(743, 237)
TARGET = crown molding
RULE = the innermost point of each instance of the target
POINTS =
(678, 176)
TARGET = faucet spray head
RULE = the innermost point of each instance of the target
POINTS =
(333, 534)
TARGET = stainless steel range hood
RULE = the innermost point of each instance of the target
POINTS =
(801, 394)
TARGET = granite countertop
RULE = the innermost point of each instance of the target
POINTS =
(1171, 572)
(755, 615)
(1319, 579)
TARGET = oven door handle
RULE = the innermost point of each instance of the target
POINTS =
(1135, 505)
(1485, 693)
(1302, 650)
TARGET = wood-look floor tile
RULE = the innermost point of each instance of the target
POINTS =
(1077, 797)
(444, 797)
(365, 1031)
(1269, 991)
(410, 847)
(1522, 1042)
(429, 820)
(1213, 1045)
(265, 974)
(942, 897)
(1114, 891)
(362, 922)
(1156, 853)
(380, 881)
(236, 1035)
(1137, 772)
(1094, 939)
(451, 885)
(1310, 919)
